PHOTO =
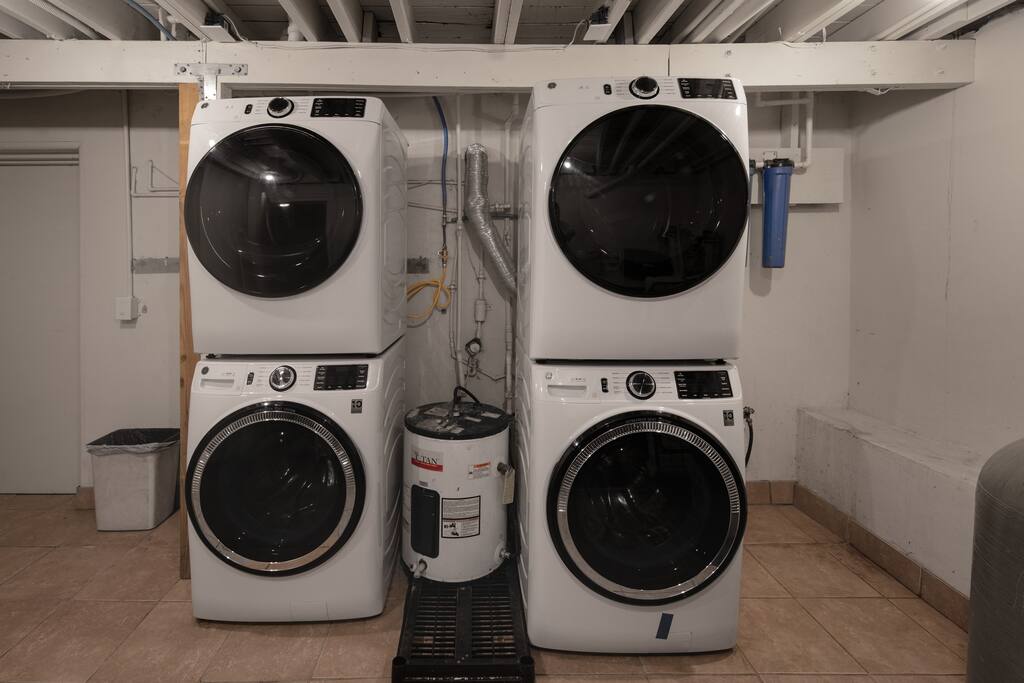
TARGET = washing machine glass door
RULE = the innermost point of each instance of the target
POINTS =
(649, 201)
(646, 508)
(273, 210)
(275, 488)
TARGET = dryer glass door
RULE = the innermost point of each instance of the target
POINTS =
(649, 201)
(276, 488)
(272, 210)
(646, 508)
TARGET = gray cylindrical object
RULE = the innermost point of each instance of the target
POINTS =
(996, 633)
(478, 213)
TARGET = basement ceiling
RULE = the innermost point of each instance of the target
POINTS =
(495, 21)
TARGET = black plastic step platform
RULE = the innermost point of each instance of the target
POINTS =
(464, 632)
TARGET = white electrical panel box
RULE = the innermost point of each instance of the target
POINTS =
(126, 308)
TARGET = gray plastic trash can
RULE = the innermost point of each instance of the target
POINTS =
(135, 473)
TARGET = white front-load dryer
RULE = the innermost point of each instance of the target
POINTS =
(295, 215)
(633, 219)
(631, 505)
(292, 486)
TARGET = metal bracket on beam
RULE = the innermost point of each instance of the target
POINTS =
(209, 74)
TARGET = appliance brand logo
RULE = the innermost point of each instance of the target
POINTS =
(428, 461)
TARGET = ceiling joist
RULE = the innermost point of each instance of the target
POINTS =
(957, 18)
(650, 17)
(695, 12)
(404, 20)
(893, 19)
(113, 19)
(41, 20)
(349, 14)
(305, 16)
(795, 21)
(506, 21)
(735, 22)
(12, 28)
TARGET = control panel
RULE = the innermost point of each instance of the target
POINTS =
(340, 377)
(692, 384)
(345, 107)
(706, 88)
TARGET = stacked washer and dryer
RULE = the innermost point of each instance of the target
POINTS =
(295, 214)
(630, 431)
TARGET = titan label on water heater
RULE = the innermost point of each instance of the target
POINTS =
(454, 519)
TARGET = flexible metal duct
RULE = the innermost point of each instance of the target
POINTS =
(996, 629)
(478, 212)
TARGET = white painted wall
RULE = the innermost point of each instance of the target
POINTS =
(127, 372)
(795, 349)
(938, 293)
(796, 327)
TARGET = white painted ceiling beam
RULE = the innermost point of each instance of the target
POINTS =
(893, 19)
(349, 14)
(369, 34)
(458, 68)
(506, 21)
(795, 21)
(650, 16)
(714, 19)
(12, 28)
(305, 15)
(404, 20)
(68, 19)
(39, 19)
(690, 18)
(189, 13)
(736, 21)
(600, 33)
(113, 19)
(958, 18)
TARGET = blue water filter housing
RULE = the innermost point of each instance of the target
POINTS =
(775, 178)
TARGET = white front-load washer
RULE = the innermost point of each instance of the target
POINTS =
(631, 505)
(295, 216)
(293, 484)
(633, 213)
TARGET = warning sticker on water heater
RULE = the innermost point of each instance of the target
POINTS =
(460, 517)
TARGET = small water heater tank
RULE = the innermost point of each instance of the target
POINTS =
(996, 632)
(454, 519)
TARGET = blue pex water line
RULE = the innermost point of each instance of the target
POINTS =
(775, 178)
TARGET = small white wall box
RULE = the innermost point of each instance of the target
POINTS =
(126, 308)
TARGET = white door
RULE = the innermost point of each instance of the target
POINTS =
(39, 329)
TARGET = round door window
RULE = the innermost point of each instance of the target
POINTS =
(276, 488)
(649, 201)
(646, 508)
(272, 210)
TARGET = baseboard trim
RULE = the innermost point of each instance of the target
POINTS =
(85, 498)
(946, 600)
(764, 492)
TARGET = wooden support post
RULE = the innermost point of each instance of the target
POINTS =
(188, 98)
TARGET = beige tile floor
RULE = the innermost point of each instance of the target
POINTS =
(80, 605)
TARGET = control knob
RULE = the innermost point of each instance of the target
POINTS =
(644, 87)
(282, 378)
(280, 107)
(640, 385)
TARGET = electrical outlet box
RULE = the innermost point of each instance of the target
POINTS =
(126, 308)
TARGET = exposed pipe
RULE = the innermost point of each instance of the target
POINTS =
(456, 285)
(806, 143)
(509, 240)
(478, 213)
(130, 247)
(151, 19)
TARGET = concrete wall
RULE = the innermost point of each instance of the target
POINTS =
(127, 371)
(937, 293)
